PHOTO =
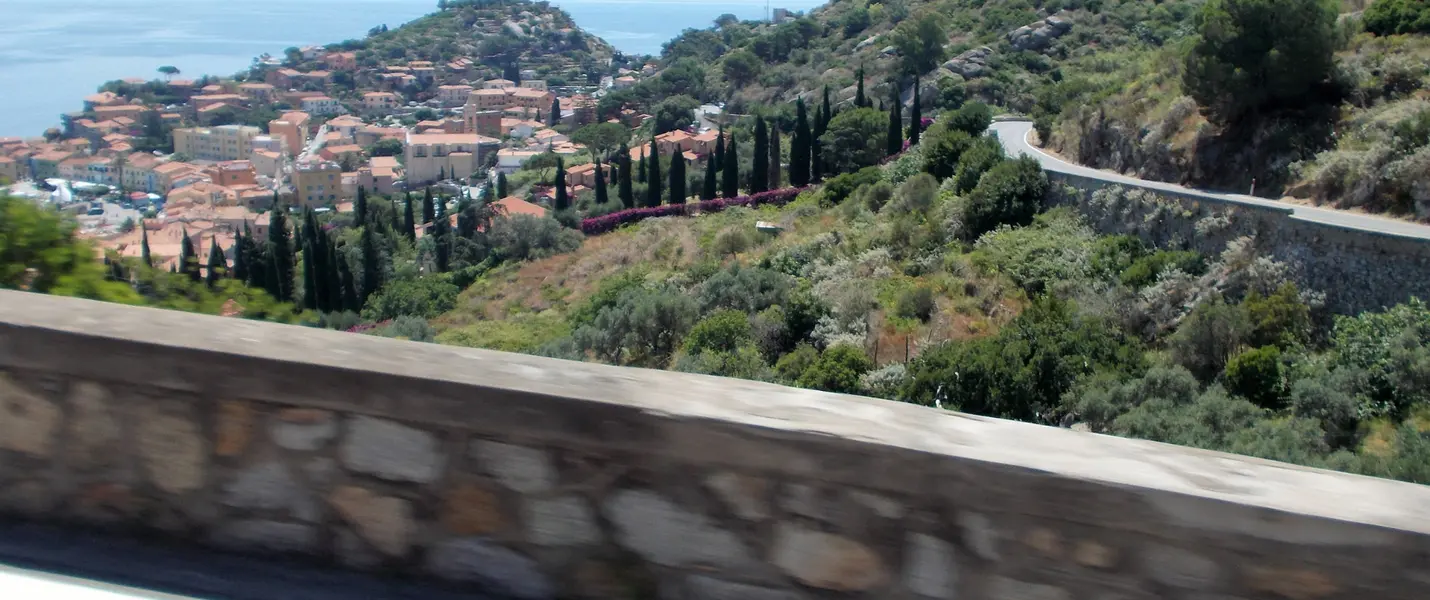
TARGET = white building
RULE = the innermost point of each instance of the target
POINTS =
(321, 105)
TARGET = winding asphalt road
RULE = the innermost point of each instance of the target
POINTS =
(1014, 137)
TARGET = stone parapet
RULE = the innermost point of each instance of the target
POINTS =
(540, 478)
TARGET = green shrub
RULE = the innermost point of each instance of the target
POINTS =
(1391, 17)
(984, 154)
(837, 370)
(943, 148)
(1280, 319)
(1144, 271)
(916, 303)
(1209, 336)
(1111, 255)
(1256, 375)
(840, 187)
(1009, 194)
(723, 331)
(425, 297)
(791, 366)
(973, 119)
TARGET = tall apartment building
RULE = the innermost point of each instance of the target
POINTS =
(292, 128)
(225, 142)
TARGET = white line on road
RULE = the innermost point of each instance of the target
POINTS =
(22, 584)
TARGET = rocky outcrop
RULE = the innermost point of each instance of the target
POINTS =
(970, 64)
(1040, 35)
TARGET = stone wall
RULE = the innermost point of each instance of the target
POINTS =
(1357, 270)
(540, 478)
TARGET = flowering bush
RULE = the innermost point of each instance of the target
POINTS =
(604, 223)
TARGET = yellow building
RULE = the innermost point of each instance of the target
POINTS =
(317, 183)
(225, 142)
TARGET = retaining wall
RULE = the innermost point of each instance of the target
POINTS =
(1357, 270)
(540, 478)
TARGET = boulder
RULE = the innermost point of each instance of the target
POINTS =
(1039, 35)
(868, 41)
(889, 51)
(970, 64)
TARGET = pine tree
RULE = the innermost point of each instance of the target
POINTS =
(895, 140)
(372, 272)
(677, 179)
(760, 160)
(409, 226)
(652, 188)
(501, 186)
(563, 199)
(730, 182)
(774, 163)
(720, 149)
(623, 184)
(427, 207)
(360, 208)
(189, 258)
(280, 248)
(555, 112)
(144, 245)
(601, 197)
(799, 147)
(859, 99)
(708, 191)
(217, 265)
(641, 168)
(916, 116)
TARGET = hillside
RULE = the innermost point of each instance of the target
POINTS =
(1107, 79)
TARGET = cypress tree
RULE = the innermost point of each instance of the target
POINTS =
(310, 262)
(640, 167)
(563, 199)
(730, 182)
(360, 208)
(335, 264)
(916, 116)
(351, 303)
(895, 139)
(280, 248)
(859, 99)
(409, 226)
(555, 112)
(217, 266)
(144, 245)
(442, 238)
(240, 257)
(677, 179)
(816, 155)
(774, 167)
(501, 186)
(371, 265)
(189, 258)
(427, 207)
(720, 149)
(799, 147)
(394, 222)
(760, 161)
(601, 197)
(623, 185)
(652, 189)
(310, 274)
(827, 112)
(707, 192)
